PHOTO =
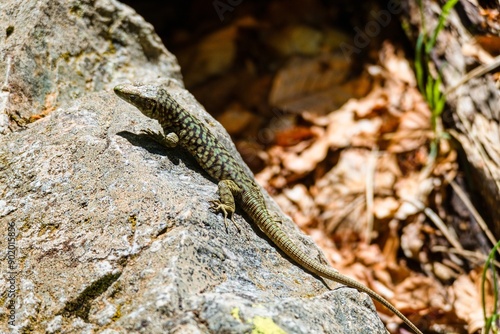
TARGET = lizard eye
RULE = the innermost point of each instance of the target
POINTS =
(131, 98)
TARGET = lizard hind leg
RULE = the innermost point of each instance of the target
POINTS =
(227, 190)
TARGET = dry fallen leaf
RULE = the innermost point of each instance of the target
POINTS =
(235, 118)
(468, 303)
(293, 136)
(213, 55)
(385, 207)
(308, 159)
(313, 84)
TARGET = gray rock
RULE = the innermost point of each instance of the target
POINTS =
(113, 232)
(53, 52)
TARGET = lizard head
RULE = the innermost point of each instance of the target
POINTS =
(144, 97)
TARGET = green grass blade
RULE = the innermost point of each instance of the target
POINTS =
(419, 62)
(428, 92)
(448, 6)
(489, 321)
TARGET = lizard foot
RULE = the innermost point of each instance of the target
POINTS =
(227, 211)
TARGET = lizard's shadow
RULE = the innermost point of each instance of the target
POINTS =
(175, 155)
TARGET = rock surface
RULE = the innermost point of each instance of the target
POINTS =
(53, 52)
(114, 233)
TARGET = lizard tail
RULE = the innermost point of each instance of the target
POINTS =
(276, 234)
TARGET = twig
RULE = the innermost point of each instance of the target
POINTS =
(370, 176)
(474, 213)
(465, 253)
(438, 222)
(478, 71)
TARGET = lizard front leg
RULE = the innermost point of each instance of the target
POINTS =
(227, 190)
(169, 140)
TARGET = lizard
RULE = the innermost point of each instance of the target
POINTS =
(182, 128)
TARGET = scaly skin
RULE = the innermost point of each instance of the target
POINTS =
(182, 128)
